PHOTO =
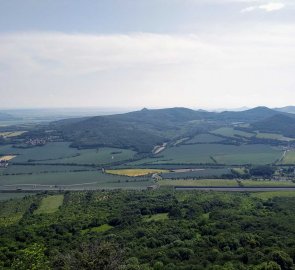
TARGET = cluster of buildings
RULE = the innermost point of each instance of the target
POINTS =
(3, 163)
(41, 141)
(36, 142)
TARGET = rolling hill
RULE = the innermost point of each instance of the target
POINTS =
(287, 109)
(251, 115)
(279, 123)
(142, 130)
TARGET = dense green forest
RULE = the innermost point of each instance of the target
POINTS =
(160, 229)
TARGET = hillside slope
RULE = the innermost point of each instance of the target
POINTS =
(279, 123)
(142, 130)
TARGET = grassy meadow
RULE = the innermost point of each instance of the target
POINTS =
(50, 204)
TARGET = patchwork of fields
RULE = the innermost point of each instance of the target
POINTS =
(58, 165)
(62, 153)
(216, 154)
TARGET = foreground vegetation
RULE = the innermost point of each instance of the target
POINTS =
(149, 230)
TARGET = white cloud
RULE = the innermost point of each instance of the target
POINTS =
(232, 68)
(269, 7)
(249, 9)
(272, 6)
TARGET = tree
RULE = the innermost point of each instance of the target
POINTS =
(267, 266)
(282, 259)
(92, 256)
(31, 258)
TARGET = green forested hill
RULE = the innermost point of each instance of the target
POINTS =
(280, 124)
(142, 130)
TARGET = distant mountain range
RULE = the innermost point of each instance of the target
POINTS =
(288, 109)
(142, 130)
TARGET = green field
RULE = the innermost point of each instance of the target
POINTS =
(273, 136)
(196, 173)
(87, 179)
(50, 151)
(100, 157)
(204, 138)
(37, 169)
(50, 204)
(221, 154)
(60, 152)
(289, 157)
(231, 132)
(266, 183)
(199, 183)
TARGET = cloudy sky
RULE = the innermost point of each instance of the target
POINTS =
(147, 53)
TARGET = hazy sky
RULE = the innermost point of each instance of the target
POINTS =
(147, 53)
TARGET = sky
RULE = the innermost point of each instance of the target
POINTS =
(147, 53)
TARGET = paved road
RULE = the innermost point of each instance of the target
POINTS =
(179, 188)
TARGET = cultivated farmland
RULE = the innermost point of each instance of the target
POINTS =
(199, 183)
(289, 157)
(231, 132)
(216, 154)
(273, 136)
(84, 179)
(135, 172)
(61, 152)
(204, 138)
